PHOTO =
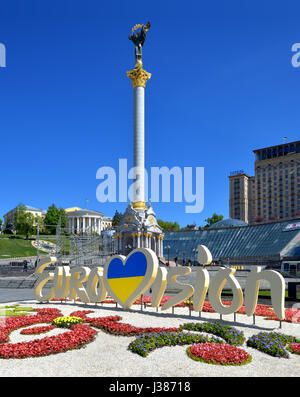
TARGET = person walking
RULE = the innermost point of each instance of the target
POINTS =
(25, 267)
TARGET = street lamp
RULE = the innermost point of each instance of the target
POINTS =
(168, 248)
(37, 242)
(194, 251)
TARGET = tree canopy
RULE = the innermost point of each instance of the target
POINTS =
(116, 219)
(168, 226)
(214, 219)
(52, 217)
(24, 221)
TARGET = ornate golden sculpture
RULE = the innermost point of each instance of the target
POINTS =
(139, 205)
(138, 77)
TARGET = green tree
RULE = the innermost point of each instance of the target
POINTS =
(168, 226)
(116, 219)
(52, 217)
(24, 221)
(214, 218)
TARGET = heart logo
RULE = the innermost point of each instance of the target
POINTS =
(126, 278)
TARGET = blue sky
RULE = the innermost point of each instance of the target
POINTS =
(222, 85)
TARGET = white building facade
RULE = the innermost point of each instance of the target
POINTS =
(84, 221)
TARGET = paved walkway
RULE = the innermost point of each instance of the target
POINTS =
(12, 295)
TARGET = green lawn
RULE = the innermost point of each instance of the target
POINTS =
(16, 247)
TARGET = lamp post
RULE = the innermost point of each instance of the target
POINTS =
(194, 251)
(38, 241)
(168, 248)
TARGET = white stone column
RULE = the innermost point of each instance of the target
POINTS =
(83, 223)
(138, 239)
(138, 148)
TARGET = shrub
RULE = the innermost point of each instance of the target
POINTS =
(230, 334)
(272, 343)
(142, 345)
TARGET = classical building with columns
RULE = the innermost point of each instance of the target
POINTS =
(138, 227)
(84, 221)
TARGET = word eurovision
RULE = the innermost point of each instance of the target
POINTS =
(127, 278)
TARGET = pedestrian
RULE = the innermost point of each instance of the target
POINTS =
(175, 260)
(25, 263)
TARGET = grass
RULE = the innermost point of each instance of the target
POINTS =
(14, 310)
(16, 247)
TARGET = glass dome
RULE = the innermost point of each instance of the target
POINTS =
(228, 223)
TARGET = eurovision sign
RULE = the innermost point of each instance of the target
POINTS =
(127, 278)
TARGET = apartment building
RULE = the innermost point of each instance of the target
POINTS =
(273, 194)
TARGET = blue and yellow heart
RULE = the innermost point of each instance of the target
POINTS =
(125, 278)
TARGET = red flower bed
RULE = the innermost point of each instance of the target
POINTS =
(111, 325)
(291, 316)
(77, 336)
(295, 348)
(80, 334)
(37, 330)
(81, 313)
(217, 353)
(46, 315)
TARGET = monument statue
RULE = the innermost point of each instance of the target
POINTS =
(138, 40)
(139, 227)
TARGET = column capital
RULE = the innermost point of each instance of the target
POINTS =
(138, 77)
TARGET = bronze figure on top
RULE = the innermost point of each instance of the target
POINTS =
(138, 40)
